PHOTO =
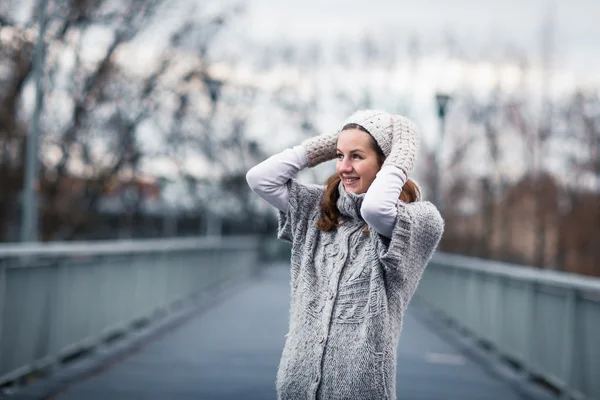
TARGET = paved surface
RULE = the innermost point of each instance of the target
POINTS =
(231, 351)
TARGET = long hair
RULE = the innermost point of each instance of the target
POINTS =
(330, 215)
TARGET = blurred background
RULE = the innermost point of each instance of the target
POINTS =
(123, 120)
(148, 114)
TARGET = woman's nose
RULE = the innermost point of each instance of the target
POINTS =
(345, 166)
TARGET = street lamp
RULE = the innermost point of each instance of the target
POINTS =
(442, 100)
(29, 202)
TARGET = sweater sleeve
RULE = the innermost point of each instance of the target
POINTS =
(301, 211)
(273, 181)
(415, 236)
(379, 205)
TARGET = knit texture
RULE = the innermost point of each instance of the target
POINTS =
(320, 148)
(378, 123)
(349, 293)
(405, 144)
(396, 135)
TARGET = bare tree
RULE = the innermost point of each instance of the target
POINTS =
(579, 225)
(15, 57)
(97, 144)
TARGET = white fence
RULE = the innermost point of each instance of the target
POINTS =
(57, 299)
(548, 322)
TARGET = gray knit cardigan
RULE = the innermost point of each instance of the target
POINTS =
(349, 293)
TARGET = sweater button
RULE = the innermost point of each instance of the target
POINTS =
(331, 294)
(321, 338)
(342, 255)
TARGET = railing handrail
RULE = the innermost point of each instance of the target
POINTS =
(521, 272)
(100, 247)
(62, 299)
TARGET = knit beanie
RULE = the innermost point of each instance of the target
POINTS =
(380, 125)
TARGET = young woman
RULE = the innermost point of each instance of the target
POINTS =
(359, 247)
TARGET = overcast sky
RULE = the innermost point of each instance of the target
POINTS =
(478, 25)
(475, 22)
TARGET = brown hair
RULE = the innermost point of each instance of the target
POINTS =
(330, 215)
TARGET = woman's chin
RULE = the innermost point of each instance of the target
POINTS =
(352, 189)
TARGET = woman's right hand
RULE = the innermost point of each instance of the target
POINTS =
(320, 148)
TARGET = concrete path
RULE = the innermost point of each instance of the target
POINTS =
(231, 351)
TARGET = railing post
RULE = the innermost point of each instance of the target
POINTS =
(496, 313)
(470, 324)
(529, 333)
(454, 297)
(568, 339)
(2, 303)
(54, 322)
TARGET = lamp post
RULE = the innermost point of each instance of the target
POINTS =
(442, 100)
(29, 203)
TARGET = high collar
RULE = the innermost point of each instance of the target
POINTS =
(349, 203)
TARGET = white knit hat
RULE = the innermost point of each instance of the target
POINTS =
(380, 125)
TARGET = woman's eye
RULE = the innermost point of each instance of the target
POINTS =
(340, 156)
(357, 156)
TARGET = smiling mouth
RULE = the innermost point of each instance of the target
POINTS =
(350, 181)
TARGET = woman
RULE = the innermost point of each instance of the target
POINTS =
(359, 248)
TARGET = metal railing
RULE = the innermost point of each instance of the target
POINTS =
(57, 299)
(547, 322)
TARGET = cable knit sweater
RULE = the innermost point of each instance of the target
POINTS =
(349, 293)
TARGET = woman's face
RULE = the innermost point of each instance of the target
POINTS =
(357, 162)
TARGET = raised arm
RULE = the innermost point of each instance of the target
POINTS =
(268, 179)
(379, 208)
